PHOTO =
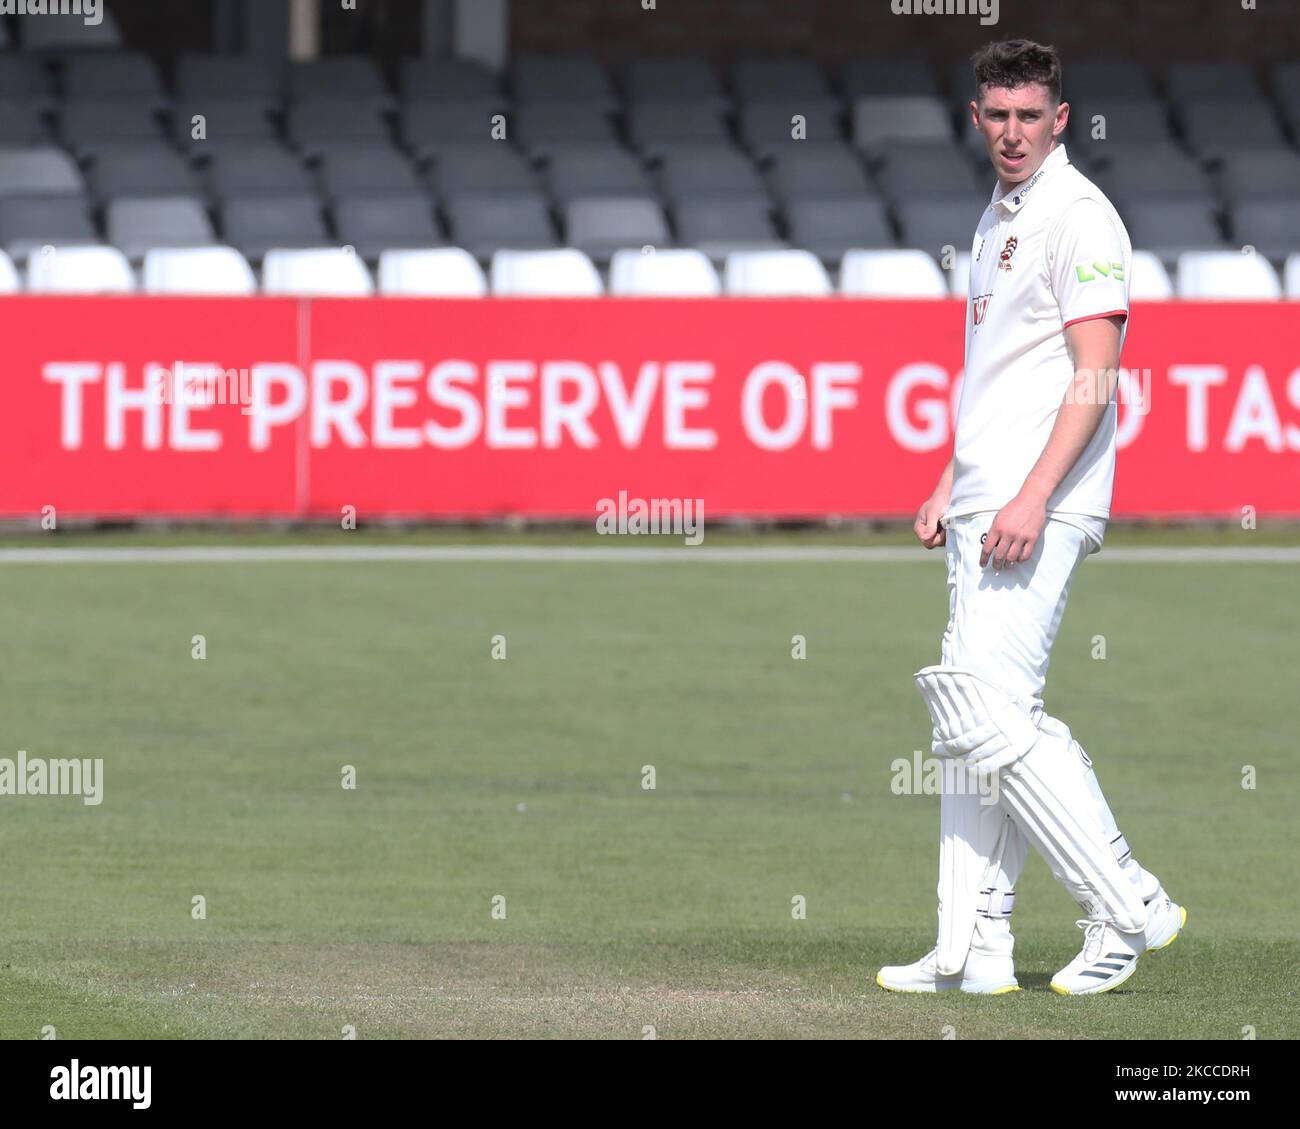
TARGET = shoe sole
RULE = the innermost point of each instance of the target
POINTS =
(952, 988)
(1177, 933)
(1120, 979)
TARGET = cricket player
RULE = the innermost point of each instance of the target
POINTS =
(1023, 501)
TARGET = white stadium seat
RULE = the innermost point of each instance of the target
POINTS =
(663, 274)
(1291, 271)
(323, 272)
(79, 270)
(444, 272)
(566, 273)
(197, 270)
(892, 274)
(1226, 275)
(959, 276)
(1150, 281)
(776, 274)
(9, 283)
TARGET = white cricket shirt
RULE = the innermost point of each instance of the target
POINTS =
(1050, 252)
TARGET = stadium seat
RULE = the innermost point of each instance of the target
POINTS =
(599, 226)
(663, 274)
(247, 170)
(1261, 174)
(541, 129)
(373, 169)
(1286, 82)
(224, 122)
(1148, 279)
(429, 128)
(484, 225)
(1226, 275)
(448, 80)
(1108, 77)
(349, 78)
(959, 275)
(564, 273)
(830, 227)
(141, 170)
(821, 171)
(311, 125)
(1128, 123)
(880, 122)
(1168, 227)
(892, 274)
(44, 34)
(79, 270)
(256, 224)
(932, 225)
(321, 271)
(1272, 227)
(560, 80)
(449, 272)
(22, 123)
(1291, 275)
(718, 225)
(197, 270)
(1187, 82)
(28, 222)
(43, 169)
(9, 281)
(374, 224)
(1215, 129)
(248, 78)
(26, 77)
(674, 80)
(655, 127)
(136, 226)
(892, 78)
(1141, 172)
(89, 127)
(779, 80)
(111, 75)
(790, 273)
(707, 170)
(584, 170)
(482, 168)
(917, 171)
(769, 128)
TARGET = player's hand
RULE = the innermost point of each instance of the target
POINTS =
(927, 528)
(1015, 532)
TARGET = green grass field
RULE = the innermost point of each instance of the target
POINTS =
(625, 907)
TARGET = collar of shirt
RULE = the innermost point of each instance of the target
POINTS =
(1014, 197)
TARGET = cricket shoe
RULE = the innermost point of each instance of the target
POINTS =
(1165, 920)
(982, 974)
(1107, 959)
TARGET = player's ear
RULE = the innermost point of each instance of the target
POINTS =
(1062, 118)
(975, 113)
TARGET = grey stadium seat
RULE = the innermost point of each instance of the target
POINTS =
(1140, 172)
(427, 127)
(257, 169)
(112, 74)
(600, 226)
(226, 122)
(246, 77)
(87, 127)
(1107, 78)
(829, 227)
(596, 171)
(769, 127)
(669, 81)
(782, 80)
(68, 34)
(347, 170)
(141, 170)
(255, 224)
(375, 224)
(562, 79)
(706, 169)
(1213, 129)
(317, 122)
(655, 127)
(1204, 81)
(137, 226)
(718, 225)
(1272, 227)
(1286, 81)
(893, 78)
(337, 77)
(912, 171)
(26, 77)
(22, 123)
(819, 170)
(881, 123)
(483, 168)
(448, 80)
(28, 223)
(486, 224)
(931, 225)
(1168, 227)
(1261, 174)
(42, 169)
(1126, 121)
(542, 129)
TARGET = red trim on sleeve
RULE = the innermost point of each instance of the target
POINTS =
(1093, 317)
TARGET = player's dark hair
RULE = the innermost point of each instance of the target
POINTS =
(1017, 62)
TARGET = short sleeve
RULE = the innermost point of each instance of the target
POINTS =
(1087, 264)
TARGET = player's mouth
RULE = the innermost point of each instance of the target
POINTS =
(1013, 159)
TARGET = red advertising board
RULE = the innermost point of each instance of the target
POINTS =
(484, 408)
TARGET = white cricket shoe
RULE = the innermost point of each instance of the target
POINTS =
(1107, 959)
(1165, 920)
(983, 974)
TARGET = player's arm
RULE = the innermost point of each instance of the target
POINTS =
(926, 527)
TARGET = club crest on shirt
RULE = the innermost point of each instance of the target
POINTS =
(1004, 259)
(978, 306)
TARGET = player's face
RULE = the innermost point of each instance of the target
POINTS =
(1019, 127)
